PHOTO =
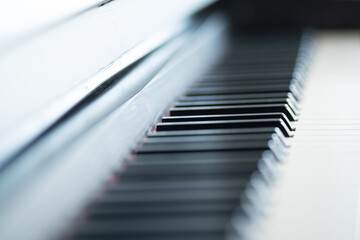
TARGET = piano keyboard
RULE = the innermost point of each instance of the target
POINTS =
(193, 175)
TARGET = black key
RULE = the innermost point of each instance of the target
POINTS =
(241, 155)
(241, 109)
(216, 138)
(247, 65)
(293, 107)
(178, 185)
(233, 70)
(230, 117)
(231, 102)
(233, 131)
(149, 211)
(211, 138)
(255, 61)
(203, 146)
(186, 196)
(208, 227)
(242, 82)
(246, 89)
(231, 154)
(150, 186)
(239, 97)
(248, 76)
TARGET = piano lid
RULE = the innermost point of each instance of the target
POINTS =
(51, 69)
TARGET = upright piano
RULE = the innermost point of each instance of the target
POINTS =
(180, 120)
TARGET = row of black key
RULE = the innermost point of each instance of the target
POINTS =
(191, 172)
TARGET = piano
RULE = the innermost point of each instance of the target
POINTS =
(180, 120)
